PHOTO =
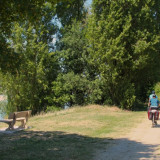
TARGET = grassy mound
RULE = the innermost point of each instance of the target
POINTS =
(73, 134)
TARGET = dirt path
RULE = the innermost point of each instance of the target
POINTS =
(142, 143)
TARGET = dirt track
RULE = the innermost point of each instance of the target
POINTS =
(142, 143)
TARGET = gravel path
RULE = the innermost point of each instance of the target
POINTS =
(142, 143)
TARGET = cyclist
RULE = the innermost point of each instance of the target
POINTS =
(154, 104)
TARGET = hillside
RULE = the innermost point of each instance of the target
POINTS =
(76, 133)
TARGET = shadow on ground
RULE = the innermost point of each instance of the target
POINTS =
(57, 145)
(125, 149)
(40, 145)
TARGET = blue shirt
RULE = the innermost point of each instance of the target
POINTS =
(154, 102)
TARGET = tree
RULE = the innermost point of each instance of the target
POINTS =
(27, 88)
(124, 45)
(18, 11)
(77, 83)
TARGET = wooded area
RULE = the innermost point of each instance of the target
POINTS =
(61, 53)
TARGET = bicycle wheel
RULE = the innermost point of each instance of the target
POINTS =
(153, 119)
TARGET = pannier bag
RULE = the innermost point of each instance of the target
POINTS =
(150, 114)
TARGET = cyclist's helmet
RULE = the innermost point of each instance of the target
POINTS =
(153, 92)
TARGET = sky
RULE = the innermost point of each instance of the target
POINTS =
(88, 3)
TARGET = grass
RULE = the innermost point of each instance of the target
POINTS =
(73, 134)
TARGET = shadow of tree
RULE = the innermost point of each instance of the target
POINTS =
(57, 145)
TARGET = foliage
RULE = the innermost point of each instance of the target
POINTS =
(71, 89)
(107, 56)
(12, 11)
(52, 109)
(29, 85)
(68, 11)
(157, 89)
(72, 49)
(27, 88)
(77, 85)
(127, 48)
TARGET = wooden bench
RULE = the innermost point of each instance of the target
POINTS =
(21, 116)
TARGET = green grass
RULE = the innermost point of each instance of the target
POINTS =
(73, 134)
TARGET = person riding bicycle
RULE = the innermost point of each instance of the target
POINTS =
(154, 103)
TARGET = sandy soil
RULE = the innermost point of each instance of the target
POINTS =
(142, 143)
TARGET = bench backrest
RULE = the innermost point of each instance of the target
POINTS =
(29, 113)
(21, 114)
(11, 116)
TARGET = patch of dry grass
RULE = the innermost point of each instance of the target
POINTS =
(90, 120)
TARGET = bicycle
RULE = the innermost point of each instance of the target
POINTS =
(153, 115)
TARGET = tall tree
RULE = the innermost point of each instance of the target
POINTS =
(124, 44)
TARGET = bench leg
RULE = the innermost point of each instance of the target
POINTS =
(23, 124)
(11, 126)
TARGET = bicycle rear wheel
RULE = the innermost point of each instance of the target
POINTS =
(153, 119)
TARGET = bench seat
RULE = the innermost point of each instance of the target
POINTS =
(20, 119)
(6, 120)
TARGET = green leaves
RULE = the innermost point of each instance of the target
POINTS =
(27, 86)
(73, 89)
(110, 56)
(122, 44)
(77, 83)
